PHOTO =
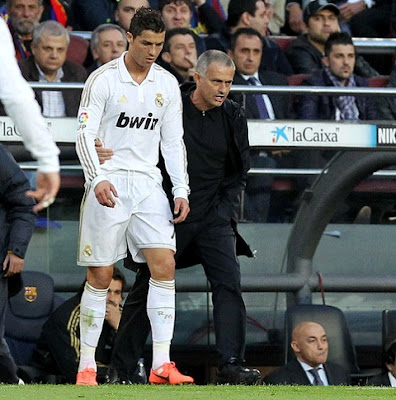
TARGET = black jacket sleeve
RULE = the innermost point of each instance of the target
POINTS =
(16, 206)
(238, 162)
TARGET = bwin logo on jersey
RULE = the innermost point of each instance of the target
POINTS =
(137, 122)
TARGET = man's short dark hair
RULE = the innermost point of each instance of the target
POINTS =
(243, 31)
(119, 276)
(163, 3)
(146, 19)
(173, 32)
(237, 7)
(335, 38)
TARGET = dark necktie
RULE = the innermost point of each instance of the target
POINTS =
(317, 381)
(259, 100)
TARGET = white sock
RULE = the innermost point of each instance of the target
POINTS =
(92, 313)
(161, 313)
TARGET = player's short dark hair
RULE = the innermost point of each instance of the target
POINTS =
(243, 31)
(237, 7)
(173, 32)
(146, 19)
(337, 38)
(163, 3)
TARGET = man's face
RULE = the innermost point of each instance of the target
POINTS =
(114, 294)
(341, 61)
(310, 344)
(25, 15)
(247, 54)
(50, 53)
(321, 24)
(182, 53)
(213, 88)
(145, 48)
(126, 9)
(111, 45)
(176, 15)
(260, 20)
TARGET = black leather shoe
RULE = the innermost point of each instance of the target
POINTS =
(112, 378)
(233, 373)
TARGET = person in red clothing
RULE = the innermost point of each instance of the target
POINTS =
(23, 16)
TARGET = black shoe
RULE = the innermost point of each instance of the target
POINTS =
(112, 378)
(233, 373)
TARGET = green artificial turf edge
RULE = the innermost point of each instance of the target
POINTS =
(191, 392)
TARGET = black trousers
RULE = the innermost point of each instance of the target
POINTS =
(213, 240)
(8, 368)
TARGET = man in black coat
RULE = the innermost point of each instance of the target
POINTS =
(310, 346)
(216, 139)
(17, 221)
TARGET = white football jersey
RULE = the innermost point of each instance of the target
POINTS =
(135, 121)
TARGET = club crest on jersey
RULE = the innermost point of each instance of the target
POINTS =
(87, 251)
(159, 100)
(30, 293)
(123, 99)
(83, 117)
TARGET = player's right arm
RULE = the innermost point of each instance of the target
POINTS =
(92, 106)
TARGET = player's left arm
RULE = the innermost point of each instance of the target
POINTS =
(172, 145)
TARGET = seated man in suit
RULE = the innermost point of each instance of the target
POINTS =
(48, 64)
(246, 49)
(389, 377)
(310, 346)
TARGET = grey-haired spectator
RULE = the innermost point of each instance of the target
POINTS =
(48, 64)
(108, 41)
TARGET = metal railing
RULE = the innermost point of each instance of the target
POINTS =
(297, 90)
(364, 45)
(291, 282)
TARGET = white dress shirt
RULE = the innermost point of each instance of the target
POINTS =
(322, 373)
(266, 99)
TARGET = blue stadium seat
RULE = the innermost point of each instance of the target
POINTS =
(26, 313)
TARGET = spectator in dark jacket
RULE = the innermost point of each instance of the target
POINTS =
(179, 54)
(49, 64)
(339, 62)
(251, 14)
(389, 377)
(305, 53)
(58, 349)
(125, 11)
(338, 72)
(108, 42)
(387, 105)
(17, 221)
(246, 51)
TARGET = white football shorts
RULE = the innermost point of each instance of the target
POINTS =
(141, 219)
